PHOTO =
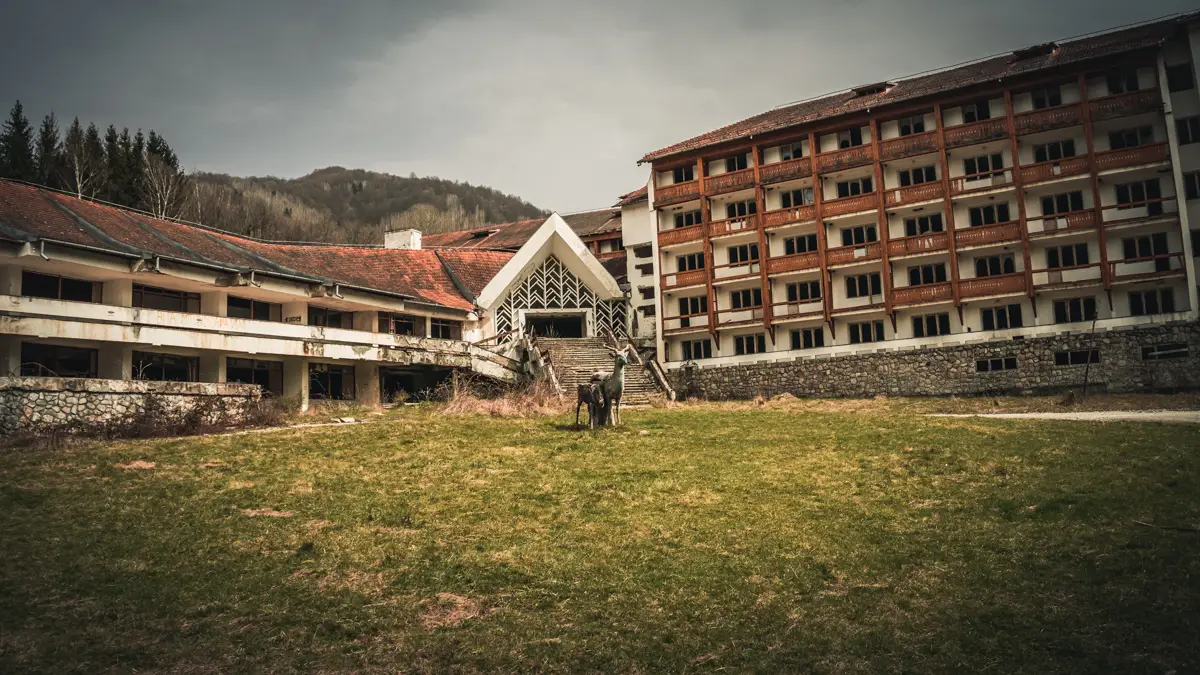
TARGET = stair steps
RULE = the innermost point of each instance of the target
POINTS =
(575, 359)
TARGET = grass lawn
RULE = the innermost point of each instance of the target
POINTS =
(782, 538)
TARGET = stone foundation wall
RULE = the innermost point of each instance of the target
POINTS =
(951, 370)
(37, 402)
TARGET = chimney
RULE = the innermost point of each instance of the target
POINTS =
(403, 239)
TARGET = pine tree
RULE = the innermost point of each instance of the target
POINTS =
(165, 185)
(49, 153)
(16, 146)
(114, 166)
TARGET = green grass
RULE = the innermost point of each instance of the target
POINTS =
(694, 539)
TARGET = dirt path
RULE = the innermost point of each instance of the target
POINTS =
(1168, 416)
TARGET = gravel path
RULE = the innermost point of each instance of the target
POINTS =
(1170, 416)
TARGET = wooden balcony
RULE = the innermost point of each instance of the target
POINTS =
(912, 194)
(837, 160)
(728, 182)
(988, 234)
(689, 278)
(979, 182)
(1149, 267)
(740, 316)
(995, 285)
(852, 254)
(1059, 168)
(790, 311)
(1124, 105)
(685, 323)
(677, 192)
(681, 235)
(922, 243)
(917, 295)
(838, 207)
(609, 255)
(781, 171)
(1076, 220)
(797, 214)
(1048, 118)
(908, 146)
(729, 226)
(975, 132)
(793, 263)
(1134, 213)
(1146, 154)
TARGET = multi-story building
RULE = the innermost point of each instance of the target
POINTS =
(1034, 194)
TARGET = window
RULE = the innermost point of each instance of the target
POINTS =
(1177, 350)
(918, 175)
(791, 151)
(244, 308)
(684, 174)
(1130, 138)
(856, 236)
(864, 285)
(1191, 184)
(852, 188)
(798, 197)
(919, 275)
(266, 374)
(166, 367)
(1188, 130)
(1065, 203)
(1145, 247)
(647, 292)
(988, 215)
(1153, 301)
(1052, 152)
(1180, 77)
(750, 344)
(1077, 357)
(35, 285)
(808, 338)
(1074, 310)
(649, 310)
(330, 382)
(975, 112)
(152, 297)
(868, 331)
(983, 166)
(923, 225)
(687, 218)
(445, 329)
(694, 350)
(931, 325)
(1123, 81)
(747, 298)
(740, 209)
(689, 262)
(402, 324)
(1132, 195)
(850, 138)
(993, 265)
(735, 163)
(1046, 97)
(1001, 318)
(329, 318)
(996, 365)
(803, 243)
(39, 360)
(689, 307)
(1071, 255)
(617, 244)
(912, 125)
(644, 251)
(743, 254)
(804, 291)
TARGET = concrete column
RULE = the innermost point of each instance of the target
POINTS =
(368, 321)
(212, 367)
(295, 381)
(214, 303)
(116, 361)
(366, 384)
(10, 279)
(10, 355)
(295, 313)
(118, 292)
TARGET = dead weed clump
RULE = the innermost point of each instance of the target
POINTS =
(448, 610)
(469, 396)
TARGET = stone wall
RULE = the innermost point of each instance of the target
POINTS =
(37, 402)
(951, 370)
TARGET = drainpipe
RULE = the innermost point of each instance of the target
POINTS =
(42, 249)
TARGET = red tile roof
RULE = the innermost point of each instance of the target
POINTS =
(512, 236)
(638, 195)
(474, 268)
(910, 89)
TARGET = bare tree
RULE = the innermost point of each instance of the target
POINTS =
(165, 188)
(82, 165)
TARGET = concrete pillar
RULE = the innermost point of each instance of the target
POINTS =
(212, 367)
(10, 355)
(366, 384)
(295, 313)
(10, 279)
(118, 292)
(295, 381)
(368, 321)
(214, 303)
(115, 361)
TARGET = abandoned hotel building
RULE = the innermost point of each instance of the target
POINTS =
(1016, 223)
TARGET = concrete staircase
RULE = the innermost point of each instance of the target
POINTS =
(575, 359)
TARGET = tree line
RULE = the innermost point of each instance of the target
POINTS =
(134, 170)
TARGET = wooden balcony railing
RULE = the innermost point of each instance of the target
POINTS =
(1059, 168)
(1047, 119)
(676, 192)
(608, 255)
(689, 278)
(915, 295)
(728, 182)
(837, 207)
(994, 285)
(796, 214)
(975, 132)
(783, 311)
(1123, 105)
(937, 241)
(731, 316)
(733, 225)
(801, 167)
(907, 146)
(1148, 210)
(736, 271)
(988, 234)
(914, 193)
(1147, 267)
(793, 263)
(681, 235)
(685, 322)
(1146, 154)
(1076, 220)
(837, 160)
(986, 180)
(850, 254)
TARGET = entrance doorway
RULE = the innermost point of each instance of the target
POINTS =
(555, 325)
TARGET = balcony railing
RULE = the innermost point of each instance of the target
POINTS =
(685, 322)
(801, 167)
(1047, 119)
(796, 214)
(994, 285)
(836, 160)
(915, 295)
(681, 235)
(1133, 212)
(1058, 168)
(733, 225)
(837, 207)
(914, 193)
(728, 182)
(975, 132)
(1124, 105)
(741, 315)
(1067, 276)
(907, 146)
(1147, 267)
(793, 263)
(1076, 220)
(784, 311)
(988, 234)
(737, 271)
(688, 278)
(986, 180)
(1146, 154)
(921, 243)
(676, 192)
(851, 254)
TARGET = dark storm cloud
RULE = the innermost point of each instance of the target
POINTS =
(554, 101)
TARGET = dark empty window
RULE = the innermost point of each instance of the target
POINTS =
(797, 197)
(687, 218)
(1068, 202)
(684, 174)
(1001, 318)
(1077, 357)
(445, 329)
(804, 291)
(923, 225)
(1122, 81)
(864, 285)
(735, 163)
(997, 364)
(689, 262)
(857, 236)
(1046, 97)
(166, 367)
(1050, 152)
(808, 338)
(1178, 350)
(1074, 310)
(920, 275)
(931, 325)
(1188, 130)
(1146, 246)
(329, 318)
(1180, 77)
(853, 188)
(1144, 193)
(868, 331)
(402, 324)
(266, 374)
(1130, 138)
(917, 175)
(36, 285)
(694, 350)
(1153, 301)
(1071, 255)
(912, 125)
(1191, 184)
(741, 209)
(39, 360)
(975, 112)
(988, 215)
(740, 255)
(750, 344)
(804, 243)
(850, 138)
(152, 297)
(983, 166)
(993, 265)
(746, 298)
(244, 308)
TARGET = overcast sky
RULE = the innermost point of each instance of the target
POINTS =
(554, 101)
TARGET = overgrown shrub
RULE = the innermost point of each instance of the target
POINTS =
(471, 395)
